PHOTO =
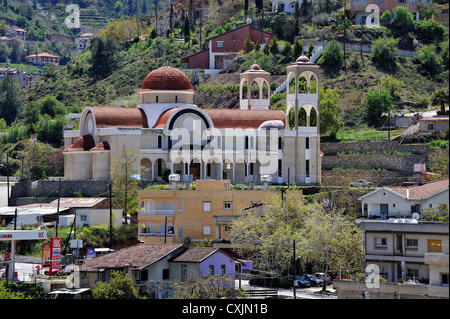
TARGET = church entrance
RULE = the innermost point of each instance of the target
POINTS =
(194, 170)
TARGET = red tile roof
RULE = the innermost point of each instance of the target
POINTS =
(421, 191)
(166, 78)
(235, 118)
(163, 118)
(83, 143)
(119, 117)
(102, 146)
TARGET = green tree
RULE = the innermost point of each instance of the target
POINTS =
(438, 162)
(383, 50)
(298, 48)
(377, 102)
(440, 97)
(124, 186)
(274, 48)
(103, 60)
(445, 54)
(333, 54)
(330, 113)
(391, 84)
(399, 20)
(428, 59)
(51, 106)
(430, 31)
(10, 99)
(120, 286)
(34, 161)
(211, 287)
(248, 44)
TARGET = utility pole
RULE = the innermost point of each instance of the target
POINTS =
(15, 219)
(165, 230)
(110, 216)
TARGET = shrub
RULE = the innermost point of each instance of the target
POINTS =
(428, 59)
(383, 50)
(430, 30)
(333, 54)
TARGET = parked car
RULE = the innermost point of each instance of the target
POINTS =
(324, 277)
(315, 281)
(55, 270)
(302, 282)
(360, 182)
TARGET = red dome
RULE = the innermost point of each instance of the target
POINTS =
(166, 78)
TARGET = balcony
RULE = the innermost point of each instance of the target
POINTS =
(156, 234)
(157, 211)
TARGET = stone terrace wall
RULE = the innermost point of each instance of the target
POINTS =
(48, 189)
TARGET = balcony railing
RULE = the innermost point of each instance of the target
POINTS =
(157, 211)
(155, 235)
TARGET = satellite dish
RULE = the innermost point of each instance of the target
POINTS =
(415, 216)
(249, 20)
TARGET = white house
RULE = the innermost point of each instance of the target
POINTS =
(404, 201)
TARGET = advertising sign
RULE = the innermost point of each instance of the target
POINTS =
(45, 255)
(23, 235)
(90, 253)
(55, 246)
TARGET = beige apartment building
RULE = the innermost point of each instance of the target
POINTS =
(43, 59)
(191, 215)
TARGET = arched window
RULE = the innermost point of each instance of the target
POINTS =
(159, 141)
(307, 143)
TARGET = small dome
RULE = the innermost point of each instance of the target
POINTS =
(166, 78)
(272, 124)
(255, 67)
(303, 59)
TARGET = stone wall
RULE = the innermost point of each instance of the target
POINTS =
(377, 178)
(47, 189)
(365, 147)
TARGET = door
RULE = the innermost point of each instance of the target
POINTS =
(384, 210)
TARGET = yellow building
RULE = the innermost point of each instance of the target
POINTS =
(43, 59)
(185, 216)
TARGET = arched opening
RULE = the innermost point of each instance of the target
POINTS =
(313, 85)
(302, 85)
(254, 90)
(291, 81)
(291, 119)
(302, 121)
(313, 117)
(265, 90)
(148, 228)
(146, 170)
(195, 168)
(166, 207)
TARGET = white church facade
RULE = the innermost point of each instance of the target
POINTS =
(167, 131)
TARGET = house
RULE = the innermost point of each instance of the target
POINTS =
(92, 217)
(16, 32)
(157, 265)
(20, 77)
(434, 124)
(400, 202)
(185, 216)
(168, 132)
(83, 41)
(223, 48)
(359, 7)
(287, 6)
(405, 252)
(43, 59)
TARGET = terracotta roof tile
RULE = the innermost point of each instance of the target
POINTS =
(166, 78)
(119, 117)
(234, 118)
(83, 143)
(163, 118)
(102, 146)
(421, 191)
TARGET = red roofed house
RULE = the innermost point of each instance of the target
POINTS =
(167, 131)
(223, 48)
(43, 59)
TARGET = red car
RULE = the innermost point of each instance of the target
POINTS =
(55, 270)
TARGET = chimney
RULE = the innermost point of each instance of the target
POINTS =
(419, 170)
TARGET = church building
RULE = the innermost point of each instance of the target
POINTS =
(251, 144)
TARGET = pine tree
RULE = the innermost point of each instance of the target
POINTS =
(248, 44)
(298, 48)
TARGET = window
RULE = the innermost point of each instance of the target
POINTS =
(159, 141)
(444, 279)
(380, 2)
(206, 206)
(280, 168)
(280, 143)
(430, 127)
(380, 242)
(412, 272)
(412, 243)
(220, 44)
(434, 245)
(246, 143)
(225, 186)
(211, 270)
(208, 169)
(180, 206)
(307, 169)
(180, 231)
(307, 143)
(206, 230)
(227, 205)
(226, 229)
(165, 274)
(176, 99)
(223, 270)
(157, 100)
(144, 275)
(252, 167)
(402, 1)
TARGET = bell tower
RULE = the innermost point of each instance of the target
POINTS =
(256, 94)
